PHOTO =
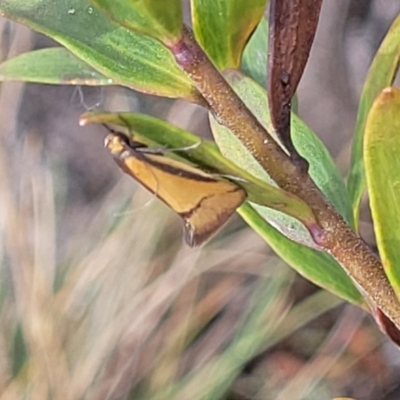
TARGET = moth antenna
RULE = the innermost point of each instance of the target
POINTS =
(165, 150)
(78, 91)
(136, 209)
(230, 177)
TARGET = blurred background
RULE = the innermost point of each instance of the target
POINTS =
(99, 297)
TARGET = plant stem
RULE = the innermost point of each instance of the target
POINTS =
(334, 235)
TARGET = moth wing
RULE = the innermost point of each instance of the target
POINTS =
(203, 201)
(212, 213)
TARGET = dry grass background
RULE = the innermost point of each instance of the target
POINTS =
(99, 298)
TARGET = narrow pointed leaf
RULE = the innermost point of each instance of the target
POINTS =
(55, 66)
(126, 57)
(382, 168)
(161, 20)
(223, 27)
(381, 74)
(314, 265)
(254, 59)
(292, 27)
(205, 155)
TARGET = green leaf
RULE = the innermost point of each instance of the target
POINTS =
(126, 57)
(381, 74)
(223, 27)
(322, 168)
(161, 20)
(254, 60)
(315, 266)
(205, 155)
(20, 351)
(55, 65)
(382, 168)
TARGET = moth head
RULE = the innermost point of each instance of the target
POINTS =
(116, 143)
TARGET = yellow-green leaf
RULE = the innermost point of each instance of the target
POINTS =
(161, 20)
(254, 59)
(381, 74)
(55, 66)
(315, 266)
(223, 27)
(382, 168)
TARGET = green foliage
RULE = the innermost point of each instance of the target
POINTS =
(156, 73)
(382, 168)
(216, 36)
(314, 265)
(127, 58)
(381, 74)
(20, 353)
(55, 66)
(254, 58)
(161, 20)
(229, 25)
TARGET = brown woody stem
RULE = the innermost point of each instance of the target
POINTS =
(335, 236)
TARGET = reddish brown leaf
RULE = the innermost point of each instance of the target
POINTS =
(292, 29)
(387, 326)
